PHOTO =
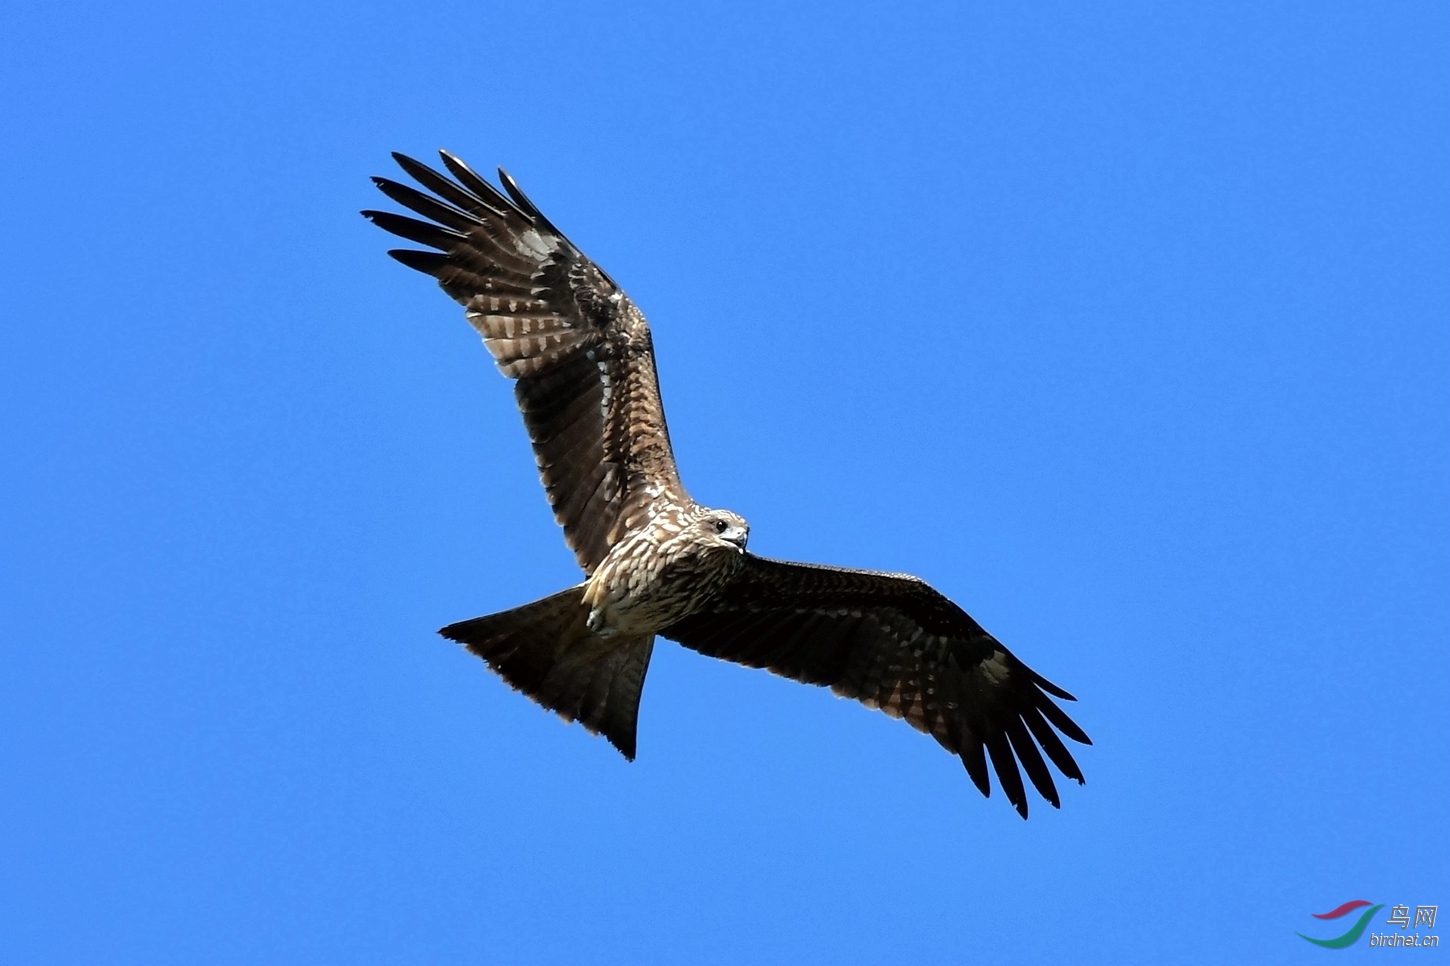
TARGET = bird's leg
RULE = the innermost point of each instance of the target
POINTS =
(598, 599)
(598, 622)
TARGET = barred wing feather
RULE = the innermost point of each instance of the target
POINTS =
(893, 642)
(578, 349)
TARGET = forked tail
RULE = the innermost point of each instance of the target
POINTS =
(546, 650)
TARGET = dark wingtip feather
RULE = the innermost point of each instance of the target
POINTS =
(448, 214)
(416, 170)
(474, 182)
(525, 205)
(1007, 774)
(976, 764)
(1062, 722)
(429, 263)
(1032, 762)
(517, 194)
(454, 192)
(1051, 688)
(422, 232)
(1053, 745)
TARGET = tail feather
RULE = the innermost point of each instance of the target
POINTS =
(546, 650)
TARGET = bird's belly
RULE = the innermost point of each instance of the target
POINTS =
(643, 615)
(639, 600)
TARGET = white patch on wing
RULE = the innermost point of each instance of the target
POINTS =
(995, 667)
(531, 244)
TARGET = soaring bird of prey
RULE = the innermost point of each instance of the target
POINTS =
(656, 562)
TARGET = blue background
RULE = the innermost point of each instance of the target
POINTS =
(1127, 326)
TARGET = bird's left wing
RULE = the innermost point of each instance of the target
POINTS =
(893, 642)
(579, 350)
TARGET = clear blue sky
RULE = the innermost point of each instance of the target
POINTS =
(1126, 325)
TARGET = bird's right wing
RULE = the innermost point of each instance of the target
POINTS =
(578, 348)
(893, 642)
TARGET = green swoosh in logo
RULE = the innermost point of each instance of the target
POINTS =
(1349, 938)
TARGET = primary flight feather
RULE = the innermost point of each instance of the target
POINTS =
(658, 563)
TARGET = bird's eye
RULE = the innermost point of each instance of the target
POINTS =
(721, 526)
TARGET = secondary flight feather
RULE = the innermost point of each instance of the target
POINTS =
(655, 562)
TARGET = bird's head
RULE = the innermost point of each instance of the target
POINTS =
(723, 528)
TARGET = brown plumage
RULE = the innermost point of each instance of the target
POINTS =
(657, 562)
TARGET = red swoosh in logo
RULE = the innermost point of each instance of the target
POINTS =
(1336, 913)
